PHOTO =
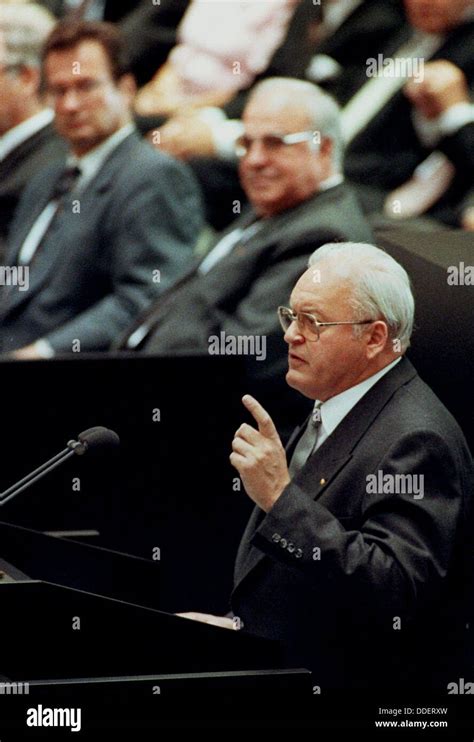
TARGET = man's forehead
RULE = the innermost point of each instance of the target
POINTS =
(262, 114)
(319, 284)
(81, 59)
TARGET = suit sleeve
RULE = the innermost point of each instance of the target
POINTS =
(152, 230)
(400, 548)
(459, 147)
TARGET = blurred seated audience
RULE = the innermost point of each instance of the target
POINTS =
(444, 105)
(380, 123)
(291, 170)
(221, 47)
(100, 236)
(148, 27)
(28, 141)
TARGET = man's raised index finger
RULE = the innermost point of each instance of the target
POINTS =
(261, 416)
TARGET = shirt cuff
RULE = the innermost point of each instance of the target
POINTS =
(44, 348)
(224, 131)
(455, 118)
(430, 131)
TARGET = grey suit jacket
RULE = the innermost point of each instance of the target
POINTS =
(366, 588)
(241, 293)
(108, 254)
(18, 168)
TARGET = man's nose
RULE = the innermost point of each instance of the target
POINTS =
(70, 100)
(256, 153)
(293, 334)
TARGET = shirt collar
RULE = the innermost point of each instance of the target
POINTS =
(334, 410)
(90, 163)
(20, 133)
(331, 182)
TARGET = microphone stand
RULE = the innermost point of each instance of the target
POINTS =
(74, 447)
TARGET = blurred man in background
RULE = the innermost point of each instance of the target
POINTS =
(104, 235)
(291, 168)
(28, 141)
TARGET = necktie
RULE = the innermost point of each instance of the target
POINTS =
(66, 181)
(307, 443)
(43, 223)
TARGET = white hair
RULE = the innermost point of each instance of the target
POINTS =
(25, 28)
(323, 111)
(381, 286)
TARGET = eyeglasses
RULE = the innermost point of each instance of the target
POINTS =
(273, 142)
(307, 323)
(82, 88)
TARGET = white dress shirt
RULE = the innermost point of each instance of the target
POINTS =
(334, 410)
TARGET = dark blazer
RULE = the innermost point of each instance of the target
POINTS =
(18, 168)
(241, 293)
(390, 135)
(96, 270)
(383, 556)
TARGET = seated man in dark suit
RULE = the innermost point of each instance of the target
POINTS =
(379, 122)
(356, 554)
(105, 236)
(28, 141)
(291, 170)
(443, 100)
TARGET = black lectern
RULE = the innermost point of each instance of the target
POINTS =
(84, 634)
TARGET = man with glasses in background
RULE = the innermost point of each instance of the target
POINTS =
(104, 233)
(291, 158)
(358, 552)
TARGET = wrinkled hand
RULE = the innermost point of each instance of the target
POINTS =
(27, 353)
(259, 457)
(162, 96)
(443, 86)
(222, 621)
(467, 219)
(184, 137)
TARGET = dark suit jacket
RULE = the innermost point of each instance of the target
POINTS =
(18, 168)
(390, 135)
(94, 271)
(382, 556)
(241, 293)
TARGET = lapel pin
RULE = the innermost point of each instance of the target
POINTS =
(322, 481)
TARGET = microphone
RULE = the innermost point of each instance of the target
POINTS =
(92, 439)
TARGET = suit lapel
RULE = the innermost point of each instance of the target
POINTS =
(328, 460)
(43, 263)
